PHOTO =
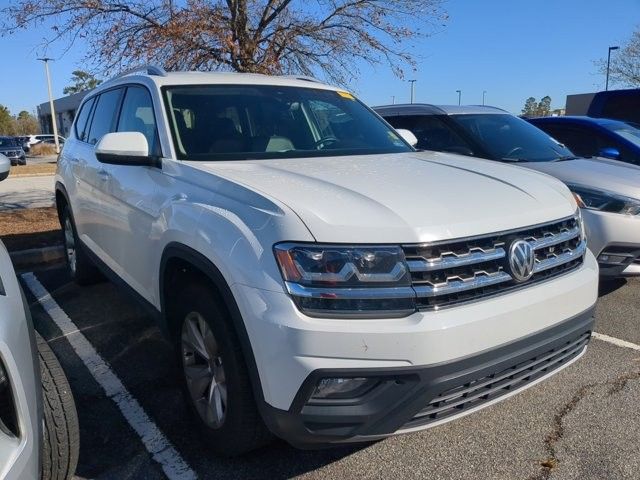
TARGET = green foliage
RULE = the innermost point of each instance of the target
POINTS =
(530, 107)
(7, 123)
(533, 108)
(544, 107)
(22, 124)
(82, 81)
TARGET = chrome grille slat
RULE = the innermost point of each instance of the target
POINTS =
(561, 259)
(428, 265)
(555, 239)
(454, 286)
(462, 270)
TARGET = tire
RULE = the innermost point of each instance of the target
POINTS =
(61, 435)
(79, 265)
(241, 428)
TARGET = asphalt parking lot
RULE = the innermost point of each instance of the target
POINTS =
(580, 424)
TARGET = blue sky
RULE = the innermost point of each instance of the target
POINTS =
(513, 49)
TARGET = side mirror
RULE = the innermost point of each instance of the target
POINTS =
(408, 136)
(610, 152)
(124, 148)
(5, 167)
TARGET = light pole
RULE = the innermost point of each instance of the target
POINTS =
(413, 83)
(606, 85)
(53, 112)
(484, 92)
(459, 92)
(393, 99)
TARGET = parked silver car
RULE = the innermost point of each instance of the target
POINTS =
(39, 436)
(608, 191)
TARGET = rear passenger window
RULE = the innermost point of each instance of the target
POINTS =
(81, 120)
(104, 117)
(137, 115)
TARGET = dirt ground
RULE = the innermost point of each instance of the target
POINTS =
(36, 169)
(30, 228)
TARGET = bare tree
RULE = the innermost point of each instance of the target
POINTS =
(309, 37)
(625, 64)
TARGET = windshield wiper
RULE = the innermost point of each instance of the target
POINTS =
(513, 160)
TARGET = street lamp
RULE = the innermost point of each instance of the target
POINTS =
(459, 92)
(53, 112)
(484, 92)
(393, 99)
(413, 83)
(606, 85)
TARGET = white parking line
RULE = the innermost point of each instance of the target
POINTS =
(615, 341)
(174, 467)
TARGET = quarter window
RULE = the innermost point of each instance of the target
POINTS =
(81, 121)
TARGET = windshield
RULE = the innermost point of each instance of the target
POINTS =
(626, 131)
(7, 142)
(512, 139)
(236, 122)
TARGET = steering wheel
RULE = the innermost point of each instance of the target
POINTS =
(513, 151)
(326, 140)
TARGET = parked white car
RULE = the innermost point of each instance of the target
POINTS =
(44, 138)
(608, 190)
(320, 279)
(38, 439)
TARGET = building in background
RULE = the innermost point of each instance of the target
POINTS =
(616, 104)
(66, 108)
(579, 103)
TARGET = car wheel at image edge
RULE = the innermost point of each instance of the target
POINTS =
(79, 265)
(215, 378)
(61, 436)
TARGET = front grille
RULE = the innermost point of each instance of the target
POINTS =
(449, 273)
(472, 394)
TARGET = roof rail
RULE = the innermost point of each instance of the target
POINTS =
(148, 69)
(305, 78)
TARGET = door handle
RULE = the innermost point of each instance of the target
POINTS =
(103, 175)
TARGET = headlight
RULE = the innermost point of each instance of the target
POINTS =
(347, 281)
(604, 201)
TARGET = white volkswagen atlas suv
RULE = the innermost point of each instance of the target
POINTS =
(321, 280)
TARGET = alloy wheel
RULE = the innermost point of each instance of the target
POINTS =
(204, 371)
(70, 245)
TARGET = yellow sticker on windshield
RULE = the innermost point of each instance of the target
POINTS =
(345, 95)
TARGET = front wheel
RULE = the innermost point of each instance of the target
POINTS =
(215, 377)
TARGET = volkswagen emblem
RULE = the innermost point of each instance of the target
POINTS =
(521, 260)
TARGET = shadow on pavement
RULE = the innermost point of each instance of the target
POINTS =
(610, 285)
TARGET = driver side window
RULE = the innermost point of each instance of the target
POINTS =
(137, 116)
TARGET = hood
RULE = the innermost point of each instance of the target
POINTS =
(617, 177)
(402, 198)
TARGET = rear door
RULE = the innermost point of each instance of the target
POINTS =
(94, 228)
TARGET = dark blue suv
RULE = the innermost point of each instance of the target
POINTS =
(594, 137)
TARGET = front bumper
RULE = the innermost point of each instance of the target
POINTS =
(410, 399)
(289, 348)
(615, 241)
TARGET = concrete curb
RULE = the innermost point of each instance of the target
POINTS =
(35, 256)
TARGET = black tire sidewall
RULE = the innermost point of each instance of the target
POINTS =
(231, 438)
